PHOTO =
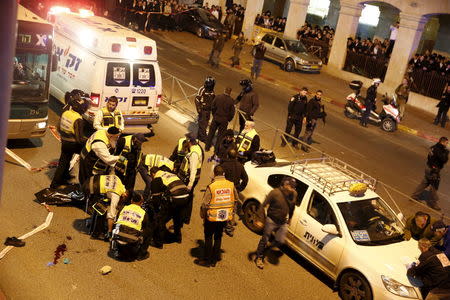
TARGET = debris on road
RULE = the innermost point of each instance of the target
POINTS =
(105, 270)
(13, 241)
(66, 261)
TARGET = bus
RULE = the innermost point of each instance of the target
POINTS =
(30, 85)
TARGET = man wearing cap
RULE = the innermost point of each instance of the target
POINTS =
(129, 150)
(97, 155)
(281, 204)
(442, 236)
(248, 141)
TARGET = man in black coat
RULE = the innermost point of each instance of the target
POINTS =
(227, 143)
(443, 106)
(203, 104)
(223, 112)
(437, 158)
(370, 101)
(296, 114)
(313, 112)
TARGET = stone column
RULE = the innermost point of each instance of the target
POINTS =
(388, 17)
(253, 8)
(408, 38)
(345, 28)
(333, 13)
(296, 17)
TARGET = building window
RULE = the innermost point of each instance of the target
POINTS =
(370, 15)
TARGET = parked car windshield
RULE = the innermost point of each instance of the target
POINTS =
(371, 222)
(206, 16)
(295, 46)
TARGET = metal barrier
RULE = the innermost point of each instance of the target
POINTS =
(430, 84)
(365, 65)
(321, 49)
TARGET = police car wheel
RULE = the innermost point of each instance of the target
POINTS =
(354, 285)
(252, 218)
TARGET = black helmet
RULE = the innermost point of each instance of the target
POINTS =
(245, 82)
(210, 82)
(79, 101)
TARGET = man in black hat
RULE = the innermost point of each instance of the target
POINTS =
(227, 143)
(442, 236)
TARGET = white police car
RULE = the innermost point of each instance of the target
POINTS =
(355, 240)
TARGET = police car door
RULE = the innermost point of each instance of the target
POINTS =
(324, 249)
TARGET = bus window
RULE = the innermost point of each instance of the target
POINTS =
(143, 75)
(118, 74)
(29, 76)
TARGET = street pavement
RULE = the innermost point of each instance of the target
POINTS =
(394, 158)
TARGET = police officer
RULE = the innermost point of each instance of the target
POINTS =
(109, 116)
(72, 138)
(313, 113)
(149, 161)
(166, 186)
(203, 103)
(129, 147)
(131, 235)
(436, 160)
(217, 208)
(248, 102)
(178, 152)
(296, 114)
(370, 101)
(248, 142)
(97, 155)
(105, 187)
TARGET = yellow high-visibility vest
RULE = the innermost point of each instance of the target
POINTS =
(184, 169)
(66, 125)
(131, 216)
(244, 142)
(111, 183)
(221, 206)
(87, 153)
(157, 160)
(111, 119)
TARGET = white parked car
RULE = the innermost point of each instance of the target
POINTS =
(356, 241)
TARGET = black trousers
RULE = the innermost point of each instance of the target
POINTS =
(220, 127)
(68, 149)
(298, 128)
(441, 116)
(366, 115)
(213, 230)
(242, 120)
(203, 120)
(128, 180)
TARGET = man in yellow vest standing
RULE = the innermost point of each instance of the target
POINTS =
(131, 235)
(217, 208)
(109, 116)
(179, 152)
(72, 138)
(148, 161)
(248, 142)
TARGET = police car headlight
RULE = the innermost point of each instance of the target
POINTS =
(397, 288)
(41, 125)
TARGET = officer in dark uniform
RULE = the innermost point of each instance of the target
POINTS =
(203, 104)
(314, 111)
(296, 114)
(72, 138)
(370, 101)
(437, 158)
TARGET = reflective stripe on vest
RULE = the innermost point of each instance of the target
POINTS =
(111, 119)
(87, 153)
(66, 125)
(111, 183)
(245, 141)
(220, 208)
(171, 181)
(185, 164)
(157, 160)
(121, 165)
(131, 216)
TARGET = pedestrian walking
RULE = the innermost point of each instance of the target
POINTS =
(248, 102)
(296, 114)
(237, 48)
(281, 202)
(258, 52)
(437, 158)
(203, 104)
(217, 208)
(402, 92)
(370, 101)
(443, 106)
(314, 111)
(223, 112)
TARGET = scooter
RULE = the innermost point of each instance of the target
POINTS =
(387, 119)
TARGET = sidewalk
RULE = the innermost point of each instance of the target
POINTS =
(415, 122)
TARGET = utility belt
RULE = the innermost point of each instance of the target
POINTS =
(127, 235)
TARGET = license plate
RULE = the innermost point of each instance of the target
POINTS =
(140, 101)
(314, 67)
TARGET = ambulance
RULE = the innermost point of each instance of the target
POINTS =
(105, 59)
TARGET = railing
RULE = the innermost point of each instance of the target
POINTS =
(430, 84)
(321, 49)
(365, 65)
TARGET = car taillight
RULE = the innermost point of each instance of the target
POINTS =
(158, 101)
(95, 99)
(148, 50)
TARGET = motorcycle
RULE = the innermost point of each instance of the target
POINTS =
(387, 119)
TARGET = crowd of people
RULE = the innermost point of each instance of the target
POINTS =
(376, 48)
(430, 62)
(266, 20)
(325, 34)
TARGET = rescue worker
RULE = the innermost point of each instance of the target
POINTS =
(109, 116)
(370, 101)
(168, 187)
(178, 152)
(129, 147)
(248, 102)
(203, 103)
(71, 128)
(313, 113)
(248, 142)
(296, 114)
(149, 161)
(131, 235)
(189, 172)
(436, 160)
(100, 188)
(97, 155)
(217, 208)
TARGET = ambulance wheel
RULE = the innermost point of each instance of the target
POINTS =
(252, 217)
(388, 124)
(354, 285)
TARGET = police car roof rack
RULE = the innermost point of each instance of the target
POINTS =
(332, 174)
